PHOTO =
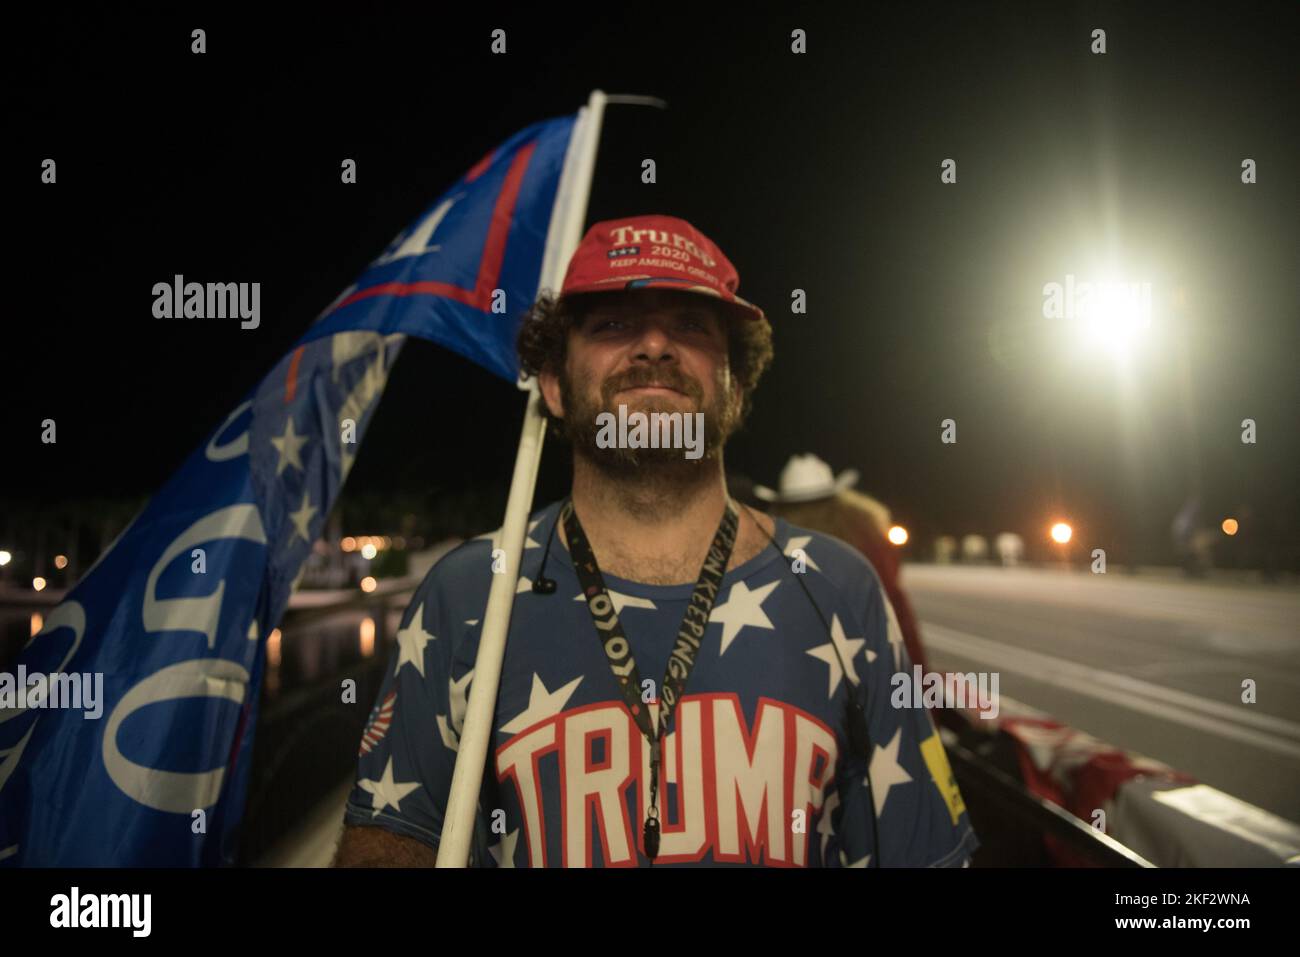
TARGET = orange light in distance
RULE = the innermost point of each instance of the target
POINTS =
(1061, 533)
(1229, 526)
(898, 535)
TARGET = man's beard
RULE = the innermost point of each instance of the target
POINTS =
(581, 427)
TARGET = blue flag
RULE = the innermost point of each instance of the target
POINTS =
(170, 622)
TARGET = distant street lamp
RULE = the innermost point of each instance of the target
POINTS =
(898, 535)
(1229, 526)
(1061, 533)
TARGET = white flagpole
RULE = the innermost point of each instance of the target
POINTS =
(567, 219)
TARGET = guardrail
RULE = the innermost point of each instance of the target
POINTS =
(1011, 820)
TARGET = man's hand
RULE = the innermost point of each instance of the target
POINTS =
(379, 847)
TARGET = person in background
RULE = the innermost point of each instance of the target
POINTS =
(812, 496)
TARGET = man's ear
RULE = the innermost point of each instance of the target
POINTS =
(550, 386)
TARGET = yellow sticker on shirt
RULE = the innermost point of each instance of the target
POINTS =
(936, 759)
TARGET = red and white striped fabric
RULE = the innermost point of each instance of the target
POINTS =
(380, 718)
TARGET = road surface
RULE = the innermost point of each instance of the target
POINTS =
(1151, 664)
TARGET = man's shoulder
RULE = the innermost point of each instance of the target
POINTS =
(467, 561)
(465, 571)
(832, 558)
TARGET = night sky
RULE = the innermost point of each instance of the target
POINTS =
(818, 172)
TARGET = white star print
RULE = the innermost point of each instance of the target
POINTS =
(894, 633)
(523, 585)
(386, 791)
(848, 647)
(825, 827)
(288, 445)
(886, 771)
(621, 601)
(504, 851)
(447, 734)
(302, 518)
(742, 607)
(542, 704)
(859, 863)
(801, 541)
(459, 700)
(411, 641)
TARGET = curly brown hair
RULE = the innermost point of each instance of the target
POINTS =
(543, 340)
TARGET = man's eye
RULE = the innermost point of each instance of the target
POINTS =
(600, 325)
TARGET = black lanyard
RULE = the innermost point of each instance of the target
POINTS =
(619, 652)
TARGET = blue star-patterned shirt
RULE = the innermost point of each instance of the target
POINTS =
(757, 769)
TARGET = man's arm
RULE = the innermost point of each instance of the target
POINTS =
(379, 847)
(404, 743)
(923, 822)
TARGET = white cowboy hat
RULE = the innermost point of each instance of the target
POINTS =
(807, 478)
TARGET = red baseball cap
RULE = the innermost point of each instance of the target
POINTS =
(640, 252)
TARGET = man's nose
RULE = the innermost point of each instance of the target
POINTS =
(653, 343)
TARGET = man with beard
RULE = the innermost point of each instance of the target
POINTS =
(770, 738)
